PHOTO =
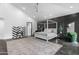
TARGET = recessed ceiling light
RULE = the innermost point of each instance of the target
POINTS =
(23, 8)
(71, 6)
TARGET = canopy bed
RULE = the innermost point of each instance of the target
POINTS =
(49, 30)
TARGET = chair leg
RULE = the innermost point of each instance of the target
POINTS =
(47, 40)
(57, 40)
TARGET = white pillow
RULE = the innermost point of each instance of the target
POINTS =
(49, 30)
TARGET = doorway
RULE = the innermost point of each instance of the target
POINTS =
(29, 28)
(71, 27)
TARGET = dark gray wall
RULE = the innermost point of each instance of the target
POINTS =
(65, 20)
(41, 24)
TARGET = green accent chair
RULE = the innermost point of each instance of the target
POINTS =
(72, 36)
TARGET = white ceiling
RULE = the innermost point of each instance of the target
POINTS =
(47, 10)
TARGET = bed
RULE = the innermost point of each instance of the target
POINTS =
(47, 34)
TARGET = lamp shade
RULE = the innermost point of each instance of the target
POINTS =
(69, 25)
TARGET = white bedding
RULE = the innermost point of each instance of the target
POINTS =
(51, 34)
(45, 35)
(41, 33)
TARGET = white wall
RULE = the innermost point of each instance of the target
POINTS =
(13, 17)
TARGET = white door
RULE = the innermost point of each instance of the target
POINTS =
(29, 28)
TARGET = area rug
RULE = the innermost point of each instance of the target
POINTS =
(31, 46)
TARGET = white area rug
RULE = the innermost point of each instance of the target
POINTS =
(31, 46)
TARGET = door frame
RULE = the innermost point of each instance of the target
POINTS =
(31, 26)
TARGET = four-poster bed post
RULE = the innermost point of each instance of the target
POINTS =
(48, 26)
(47, 30)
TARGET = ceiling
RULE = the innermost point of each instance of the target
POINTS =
(43, 11)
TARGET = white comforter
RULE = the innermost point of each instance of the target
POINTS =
(45, 35)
